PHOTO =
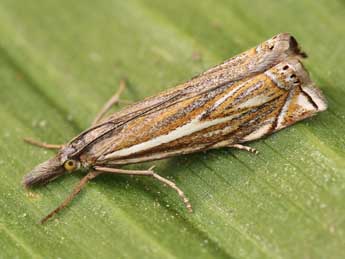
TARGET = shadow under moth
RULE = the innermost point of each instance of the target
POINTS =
(247, 97)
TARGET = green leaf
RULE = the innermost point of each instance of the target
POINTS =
(61, 60)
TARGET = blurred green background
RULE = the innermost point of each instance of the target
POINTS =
(61, 60)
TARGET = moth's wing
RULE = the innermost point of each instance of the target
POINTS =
(302, 99)
(260, 58)
(247, 110)
(303, 102)
(249, 63)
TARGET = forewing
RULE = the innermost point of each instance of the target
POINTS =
(246, 110)
(247, 64)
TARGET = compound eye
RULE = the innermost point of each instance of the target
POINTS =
(70, 165)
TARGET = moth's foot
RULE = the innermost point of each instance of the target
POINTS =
(172, 185)
(115, 99)
(246, 148)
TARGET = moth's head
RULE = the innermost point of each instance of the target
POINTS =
(279, 47)
(51, 169)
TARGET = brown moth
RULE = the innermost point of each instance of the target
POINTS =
(247, 97)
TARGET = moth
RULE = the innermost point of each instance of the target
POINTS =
(249, 96)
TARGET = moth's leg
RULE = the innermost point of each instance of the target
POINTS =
(246, 148)
(42, 144)
(151, 173)
(112, 101)
(91, 175)
(225, 143)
